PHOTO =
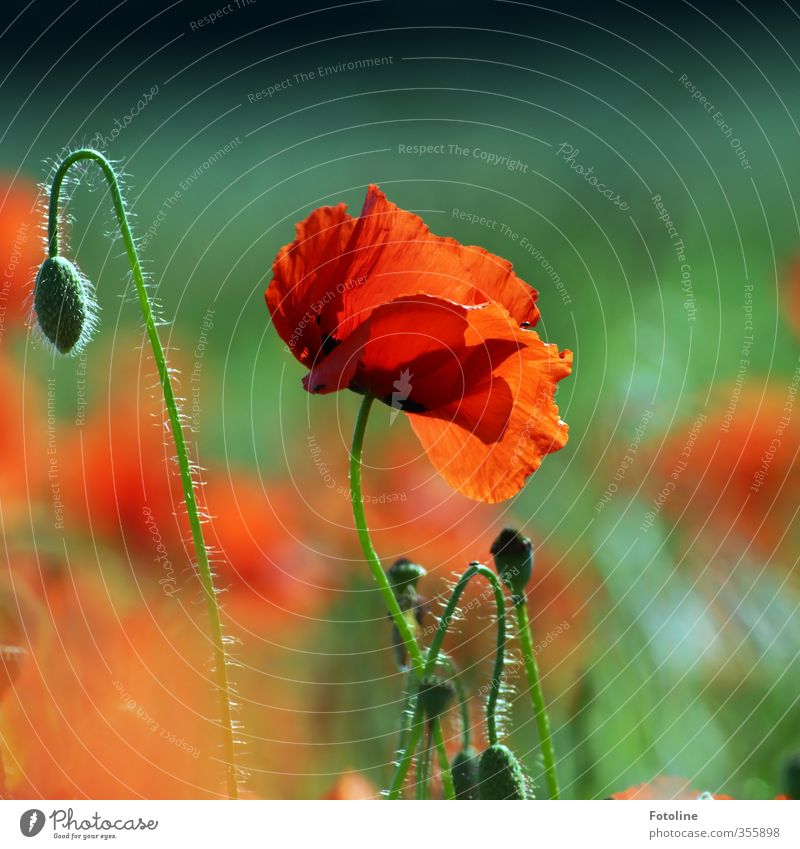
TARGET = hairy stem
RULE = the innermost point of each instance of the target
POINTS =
(201, 552)
(537, 699)
(375, 567)
(433, 656)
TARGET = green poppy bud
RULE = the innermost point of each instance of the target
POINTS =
(501, 775)
(791, 777)
(435, 696)
(404, 575)
(513, 559)
(414, 608)
(464, 770)
(63, 303)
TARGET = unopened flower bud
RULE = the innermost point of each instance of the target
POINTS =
(513, 559)
(435, 695)
(414, 608)
(63, 303)
(501, 775)
(464, 770)
(404, 576)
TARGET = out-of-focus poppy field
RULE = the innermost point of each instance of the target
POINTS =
(639, 171)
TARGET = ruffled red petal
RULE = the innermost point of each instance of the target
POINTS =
(478, 389)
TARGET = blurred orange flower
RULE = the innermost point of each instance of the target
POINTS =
(380, 305)
(21, 248)
(739, 475)
(112, 700)
(267, 568)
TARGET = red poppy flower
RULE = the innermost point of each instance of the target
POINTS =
(380, 305)
(109, 701)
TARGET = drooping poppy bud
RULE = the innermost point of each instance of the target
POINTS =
(435, 695)
(513, 559)
(404, 576)
(414, 608)
(63, 303)
(501, 775)
(791, 777)
(464, 770)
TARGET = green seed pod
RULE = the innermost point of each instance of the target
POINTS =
(414, 608)
(501, 775)
(404, 575)
(791, 777)
(513, 559)
(464, 770)
(435, 696)
(63, 304)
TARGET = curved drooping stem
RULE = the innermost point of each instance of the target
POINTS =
(385, 588)
(201, 552)
(537, 698)
(433, 656)
(463, 703)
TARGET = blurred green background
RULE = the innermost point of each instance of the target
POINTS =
(661, 681)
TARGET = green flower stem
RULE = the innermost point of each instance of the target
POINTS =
(432, 658)
(463, 703)
(404, 762)
(201, 553)
(374, 563)
(444, 622)
(408, 713)
(444, 763)
(424, 767)
(537, 698)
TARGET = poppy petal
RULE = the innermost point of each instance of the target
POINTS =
(530, 429)
(394, 253)
(306, 289)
